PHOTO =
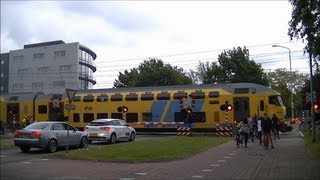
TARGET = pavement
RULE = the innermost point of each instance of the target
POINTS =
(288, 160)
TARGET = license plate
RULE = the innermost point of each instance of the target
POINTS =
(25, 135)
(93, 134)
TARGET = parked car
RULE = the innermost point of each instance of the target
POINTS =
(110, 130)
(50, 135)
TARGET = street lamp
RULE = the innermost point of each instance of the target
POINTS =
(292, 114)
(34, 105)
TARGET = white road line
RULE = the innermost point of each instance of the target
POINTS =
(221, 160)
(126, 178)
(141, 174)
(45, 159)
(301, 134)
(197, 176)
(227, 157)
(232, 154)
(215, 165)
(27, 162)
(206, 170)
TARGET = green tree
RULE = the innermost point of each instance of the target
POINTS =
(233, 66)
(152, 72)
(281, 80)
(305, 24)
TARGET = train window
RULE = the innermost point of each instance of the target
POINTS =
(13, 98)
(274, 100)
(147, 117)
(179, 117)
(198, 95)
(116, 115)
(102, 115)
(214, 94)
(241, 90)
(163, 96)
(42, 109)
(213, 102)
(261, 105)
(198, 117)
(76, 98)
(246, 105)
(131, 97)
(116, 97)
(88, 98)
(102, 98)
(131, 117)
(180, 95)
(147, 97)
(88, 117)
(76, 117)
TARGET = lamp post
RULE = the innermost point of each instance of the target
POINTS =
(34, 105)
(292, 107)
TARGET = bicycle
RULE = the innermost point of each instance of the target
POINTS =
(239, 138)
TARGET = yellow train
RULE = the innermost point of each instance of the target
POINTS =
(160, 108)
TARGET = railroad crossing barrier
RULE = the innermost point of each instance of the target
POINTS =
(184, 131)
(224, 129)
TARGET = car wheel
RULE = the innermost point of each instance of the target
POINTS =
(132, 136)
(25, 148)
(84, 142)
(113, 138)
(90, 141)
(52, 146)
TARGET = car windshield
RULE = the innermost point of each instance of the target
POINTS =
(101, 123)
(37, 126)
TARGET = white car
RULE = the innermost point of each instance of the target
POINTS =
(110, 130)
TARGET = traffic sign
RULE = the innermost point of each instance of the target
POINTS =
(70, 107)
(70, 94)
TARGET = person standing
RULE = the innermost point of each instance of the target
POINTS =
(245, 130)
(259, 129)
(266, 127)
(275, 126)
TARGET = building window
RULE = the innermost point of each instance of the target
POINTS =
(59, 83)
(38, 56)
(59, 54)
(1, 88)
(17, 59)
(65, 68)
(2, 75)
(17, 87)
(2, 61)
(43, 70)
(37, 85)
(22, 72)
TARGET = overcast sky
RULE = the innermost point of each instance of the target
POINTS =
(181, 33)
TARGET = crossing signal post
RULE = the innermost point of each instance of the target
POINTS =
(123, 110)
(226, 107)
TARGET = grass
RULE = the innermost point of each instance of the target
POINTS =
(149, 150)
(314, 148)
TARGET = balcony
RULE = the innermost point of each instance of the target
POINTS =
(86, 77)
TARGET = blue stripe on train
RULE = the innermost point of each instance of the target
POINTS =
(157, 109)
(175, 107)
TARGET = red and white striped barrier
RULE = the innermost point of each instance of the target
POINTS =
(184, 131)
(224, 130)
(157, 123)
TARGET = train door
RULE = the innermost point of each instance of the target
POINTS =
(13, 113)
(261, 106)
(241, 108)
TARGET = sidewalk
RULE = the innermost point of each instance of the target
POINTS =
(289, 160)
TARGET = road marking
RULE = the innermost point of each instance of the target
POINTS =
(45, 159)
(301, 134)
(206, 170)
(27, 162)
(127, 178)
(141, 174)
(232, 154)
(197, 176)
(221, 160)
(227, 157)
(215, 165)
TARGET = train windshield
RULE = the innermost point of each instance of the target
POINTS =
(275, 100)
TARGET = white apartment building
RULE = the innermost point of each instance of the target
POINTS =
(51, 67)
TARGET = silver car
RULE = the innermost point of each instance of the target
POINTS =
(49, 135)
(110, 130)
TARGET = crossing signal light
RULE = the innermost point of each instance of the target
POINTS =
(123, 109)
(226, 107)
(186, 111)
(10, 112)
(315, 107)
